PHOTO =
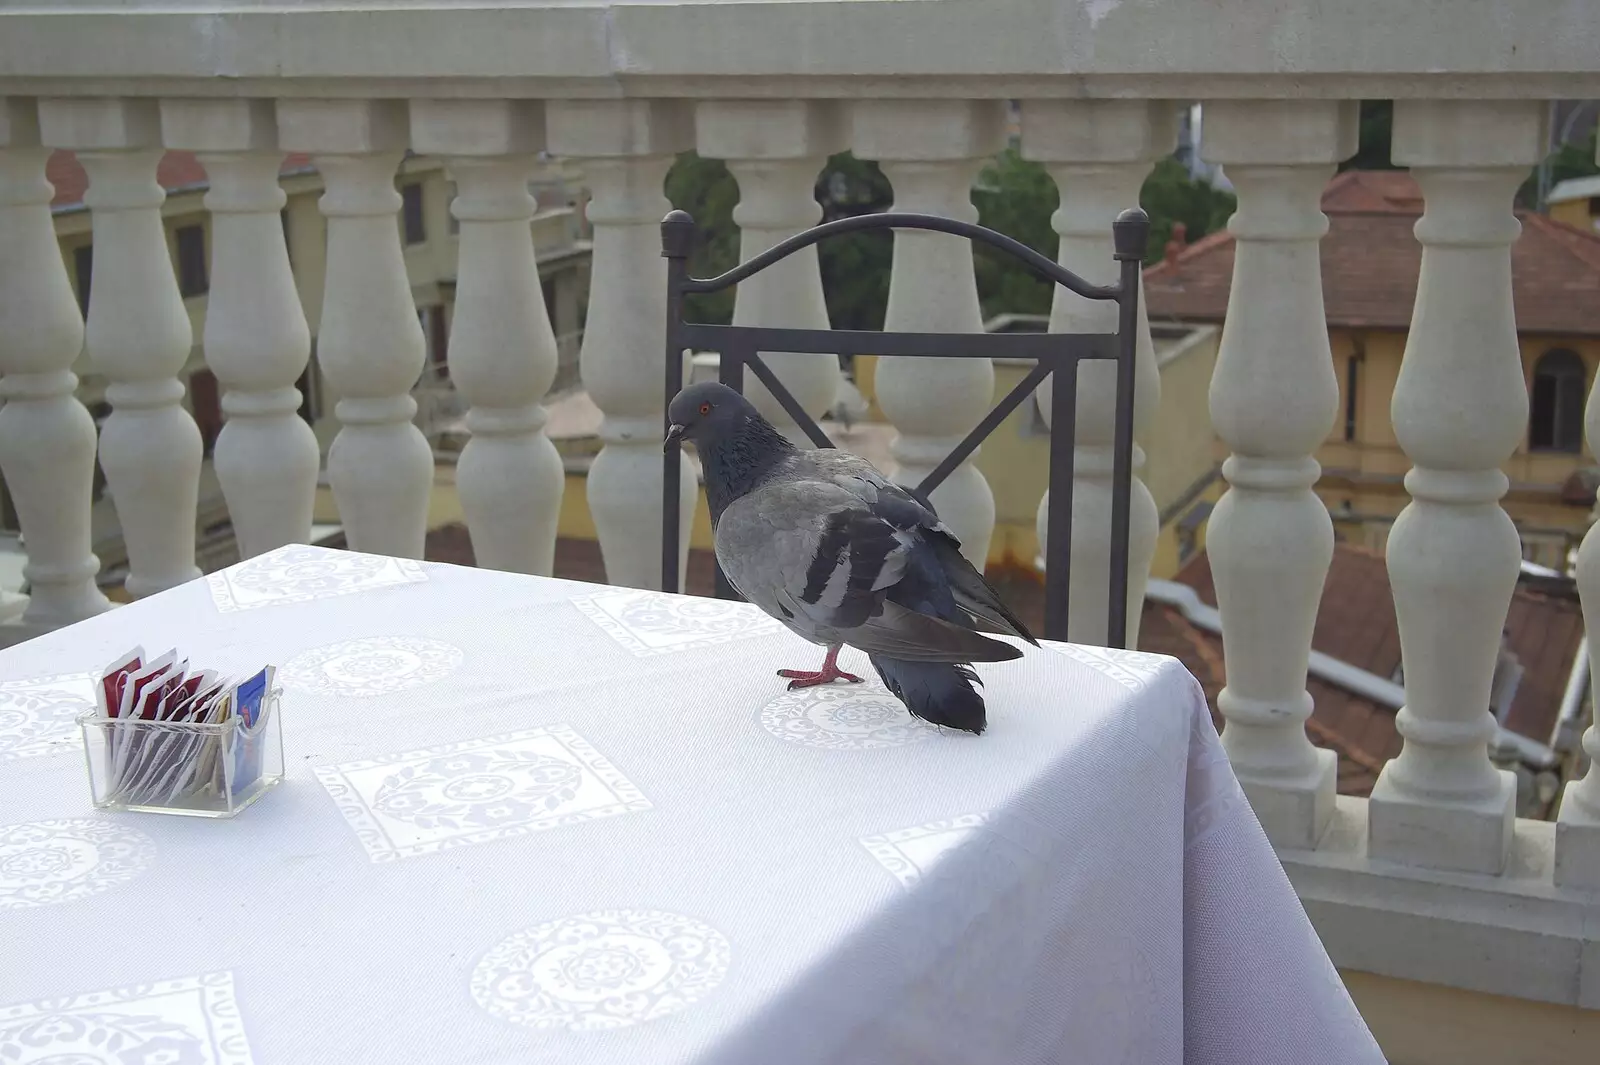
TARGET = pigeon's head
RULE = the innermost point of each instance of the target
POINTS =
(706, 411)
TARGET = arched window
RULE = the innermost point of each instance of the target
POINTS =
(1555, 413)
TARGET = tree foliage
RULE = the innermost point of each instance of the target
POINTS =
(1013, 196)
(1571, 160)
(855, 268)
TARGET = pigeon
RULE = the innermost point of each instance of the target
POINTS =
(839, 554)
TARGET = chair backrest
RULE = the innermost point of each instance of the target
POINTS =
(1055, 357)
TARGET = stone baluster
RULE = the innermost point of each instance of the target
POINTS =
(47, 438)
(369, 342)
(1578, 821)
(138, 335)
(931, 151)
(1460, 409)
(256, 339)
(1577, 861)
(502, 349)
(775, 150)
(626, 148)
(1273, 400)
(1099, 152)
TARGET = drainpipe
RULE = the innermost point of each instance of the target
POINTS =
(1335, 671)
(1570, 720)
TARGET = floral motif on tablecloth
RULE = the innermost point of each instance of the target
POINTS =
(1159, 724)
(419, 802)
(373, 665)
(38, 716)
(600, 970)
(300, 573)
(1133, 670)
(46, 862)
(652, 623)
(844, 717)
(909, 853)
(192, 1021)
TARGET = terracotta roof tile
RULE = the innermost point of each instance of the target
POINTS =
(1370, 260)
(1356, 624)
(177, 170)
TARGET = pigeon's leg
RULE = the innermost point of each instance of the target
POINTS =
(830, 672)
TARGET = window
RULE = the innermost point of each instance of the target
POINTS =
(9, 519)
(206, 403)
(83, 272)
(412, 226)
(310, 398)
(1352, 380)
(436, 341)
(548, 286)
(1555, 413)
(99, 412)
(192, 280)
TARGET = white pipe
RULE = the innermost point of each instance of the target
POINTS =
(1533, 569)
(1572, 699)
(1333, 670)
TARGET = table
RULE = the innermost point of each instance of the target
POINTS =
(531, 820)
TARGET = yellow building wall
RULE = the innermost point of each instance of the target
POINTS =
(1179, 446)
(1364, 473)
(1574, 213)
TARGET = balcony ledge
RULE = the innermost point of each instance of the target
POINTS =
(815, 48)
(1514, 935)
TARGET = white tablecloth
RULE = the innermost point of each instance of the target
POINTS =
(531, 820)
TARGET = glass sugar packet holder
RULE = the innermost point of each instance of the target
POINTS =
(183, 767)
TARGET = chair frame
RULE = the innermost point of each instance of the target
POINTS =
(1055, 356)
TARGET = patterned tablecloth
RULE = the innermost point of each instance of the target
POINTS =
(529, 820)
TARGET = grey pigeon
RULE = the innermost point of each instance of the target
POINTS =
(841, 555)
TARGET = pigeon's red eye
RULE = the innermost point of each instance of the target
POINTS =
(705, 408)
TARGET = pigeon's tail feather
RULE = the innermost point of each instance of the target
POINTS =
(973, 593)
(912, 636)
(940, 693)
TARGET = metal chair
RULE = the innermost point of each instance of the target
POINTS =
(1056, 357)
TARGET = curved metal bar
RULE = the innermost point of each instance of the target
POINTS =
(1047, 269)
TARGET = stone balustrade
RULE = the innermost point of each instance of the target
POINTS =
(922, 89)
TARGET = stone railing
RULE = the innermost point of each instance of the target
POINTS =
(1433, 879)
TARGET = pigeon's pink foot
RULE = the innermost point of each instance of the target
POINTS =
(830, 672)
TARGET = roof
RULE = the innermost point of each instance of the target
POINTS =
(1356, 624)
(176, 171)
(1370, 260)
(1578, 188)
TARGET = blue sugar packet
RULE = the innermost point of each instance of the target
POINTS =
(250, 697)
(250, 702)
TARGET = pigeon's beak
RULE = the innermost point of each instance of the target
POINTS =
(674, 434)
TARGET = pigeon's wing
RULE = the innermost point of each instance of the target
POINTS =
(816, 556)
(903, 511)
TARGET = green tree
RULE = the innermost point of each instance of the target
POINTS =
(1017, 197)
(1574, 159)
(1373, 136)
(1014, 196)
(1170, 196)
(854, 268)
(705, 189)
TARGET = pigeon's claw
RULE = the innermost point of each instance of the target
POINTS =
(801, 678)
(830, 672)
